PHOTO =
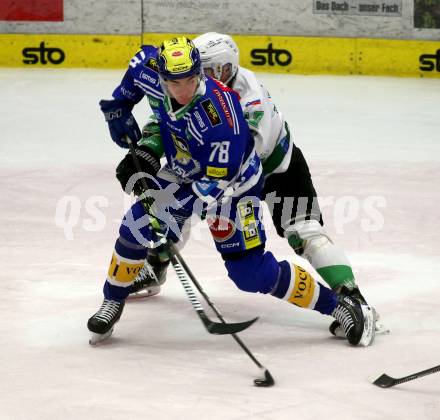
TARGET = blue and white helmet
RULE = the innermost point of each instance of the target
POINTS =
(220, 55)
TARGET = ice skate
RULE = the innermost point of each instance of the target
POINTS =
(101, 324)
(356, 319)
(335, 327)
(150, 279)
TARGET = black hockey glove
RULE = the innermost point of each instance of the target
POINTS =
(126, 169)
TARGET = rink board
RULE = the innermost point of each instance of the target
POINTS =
(275, 54)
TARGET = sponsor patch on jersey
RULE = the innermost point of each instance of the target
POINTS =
(216, 172)
(199, 119)
(221, 228)
(211, 112)
(152, 64)
(224, 107)
(249, 227)
(127, 93)
(147, 77)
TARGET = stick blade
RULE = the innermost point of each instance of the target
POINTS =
(266, 381)
(384, 381)
(220, 328)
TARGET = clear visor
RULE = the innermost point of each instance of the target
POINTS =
(200, 88)
(219, 72)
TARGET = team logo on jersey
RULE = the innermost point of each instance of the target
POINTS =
(183, 155)
(211, 112)
(221, 228)
(254, 118)
(152, 64)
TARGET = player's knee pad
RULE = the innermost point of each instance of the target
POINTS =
(253, 271)
(310, 240)
(306, 237)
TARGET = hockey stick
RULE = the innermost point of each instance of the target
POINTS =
(211, 326)
(385, 381)
(268, 379)
(178, 264)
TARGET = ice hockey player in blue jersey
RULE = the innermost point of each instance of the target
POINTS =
(212, 169)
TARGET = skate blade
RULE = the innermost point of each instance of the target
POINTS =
(369, 333)
(381, 328)
(99, 338)
(144, 293)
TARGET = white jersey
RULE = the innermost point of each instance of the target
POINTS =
(265, 121)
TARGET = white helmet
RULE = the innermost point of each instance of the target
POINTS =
(219, 55)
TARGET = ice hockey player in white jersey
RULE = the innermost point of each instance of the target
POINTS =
(287, 173)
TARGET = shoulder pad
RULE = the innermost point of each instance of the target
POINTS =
(145, 56)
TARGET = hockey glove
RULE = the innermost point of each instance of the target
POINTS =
(120, 120)
(151, 138)
(126, 169)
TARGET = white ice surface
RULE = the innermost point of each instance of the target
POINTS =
(362, 137)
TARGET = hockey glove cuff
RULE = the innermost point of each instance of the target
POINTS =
(128, 176)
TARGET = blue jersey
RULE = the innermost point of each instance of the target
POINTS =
(207, 142)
